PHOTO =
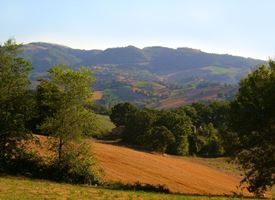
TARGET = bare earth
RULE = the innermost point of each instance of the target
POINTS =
(178, 174)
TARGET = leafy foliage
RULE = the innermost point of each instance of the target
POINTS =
(77, 165)
(16, 102)
(180, 126)
(62, 100)
(206, 142)
(120, 113)
(160, 138)
(138, 127)
(197, 129)
(253, 118)
(57, 108)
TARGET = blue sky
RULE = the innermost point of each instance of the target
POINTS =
(239, 27)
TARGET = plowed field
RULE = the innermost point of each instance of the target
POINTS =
(182, 175)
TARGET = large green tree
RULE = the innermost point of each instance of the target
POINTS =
(138, 127)
(160, 138)
(15, 100)
(120, 113)
(253, 118)
(180, 125)
(62, 100)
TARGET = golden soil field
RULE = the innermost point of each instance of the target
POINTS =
(172, 103)
(183, 175)
(97, 95)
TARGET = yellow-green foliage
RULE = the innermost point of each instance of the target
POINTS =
(103, 124)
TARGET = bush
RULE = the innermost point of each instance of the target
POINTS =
(139, 187)
(25, 163)
(76, 166)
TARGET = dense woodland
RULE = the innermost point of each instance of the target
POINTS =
(59, 107)
(197, 129)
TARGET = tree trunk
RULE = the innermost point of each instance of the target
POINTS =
(60, 149)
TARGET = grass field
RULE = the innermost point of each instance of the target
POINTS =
(104, 124)
(142, 84)
(18, 188)
(221, 70)
(223, 164)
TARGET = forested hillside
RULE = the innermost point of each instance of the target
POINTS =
(157, 77)
(157, 60)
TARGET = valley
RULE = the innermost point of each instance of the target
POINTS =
(155, 77)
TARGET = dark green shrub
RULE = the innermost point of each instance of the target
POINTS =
(160, 137)
(24, 163)
(77, 165)
(139, 187)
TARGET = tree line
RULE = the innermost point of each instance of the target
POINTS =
(197, 129)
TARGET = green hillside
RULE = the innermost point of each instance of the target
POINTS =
(146, 76)
(155, 60)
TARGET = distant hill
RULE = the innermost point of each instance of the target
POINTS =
(153, 76)
(158, 60)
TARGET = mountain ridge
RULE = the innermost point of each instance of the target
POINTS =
(156, 76)
(154, 46)
(155, 58)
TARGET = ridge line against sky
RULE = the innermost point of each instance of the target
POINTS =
(91, 49)
(243, 28)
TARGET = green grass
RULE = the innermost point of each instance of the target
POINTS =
(13, 188)
(104, 124)
(230, 71)
(142, 84)
(222, 163)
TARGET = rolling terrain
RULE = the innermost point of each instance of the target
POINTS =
(162, 61)
(157, 77)
(181, 175)
(184, 175)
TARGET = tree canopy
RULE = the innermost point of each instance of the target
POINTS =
(15, 100)
(253, 118)
(62, 104)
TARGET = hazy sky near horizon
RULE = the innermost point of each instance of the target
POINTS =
(238, 27)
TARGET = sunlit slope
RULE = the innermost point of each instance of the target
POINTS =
(182, 175)
(179, 174)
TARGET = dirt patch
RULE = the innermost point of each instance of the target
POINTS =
(172, 103)
(96, 95)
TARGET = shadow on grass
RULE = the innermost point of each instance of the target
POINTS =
(163, 189)
(137, 187)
